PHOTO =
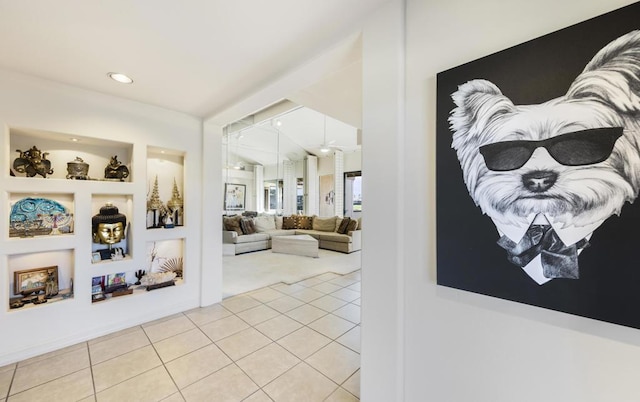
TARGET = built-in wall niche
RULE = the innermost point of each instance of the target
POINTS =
(165, 256)
(66, 156)
(42, 278)
(111, 224)
(40, 214)
(165, 188)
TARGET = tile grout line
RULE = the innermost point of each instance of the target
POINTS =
(41, 384)
(93, 380)
(132, 350)
(162, 363)
(15, 370)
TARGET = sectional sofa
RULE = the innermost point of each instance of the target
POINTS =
(246, 234)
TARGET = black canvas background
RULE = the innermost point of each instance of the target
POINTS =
(468, 257)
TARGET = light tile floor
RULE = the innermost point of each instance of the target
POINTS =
(297, 342)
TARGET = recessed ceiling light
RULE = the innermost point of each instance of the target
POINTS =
(278, 123)
(122, 78)
(75, 139)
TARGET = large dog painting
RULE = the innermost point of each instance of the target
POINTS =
(546, 162)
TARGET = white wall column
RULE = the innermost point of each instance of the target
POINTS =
(311, 186)
(258, 186)
(338, 182)
(382, 155)
(211, 260)
(289, 184)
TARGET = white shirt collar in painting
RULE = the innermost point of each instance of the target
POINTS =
(569, 234)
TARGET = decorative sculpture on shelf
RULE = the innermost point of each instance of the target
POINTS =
(51, 287)
(155, 208)
(33, 162)
(168, 222)
(139, 275)
(158, 280)
(108, 227)
(78, 169)
(172, 265)
(115, 170)
(176, 205)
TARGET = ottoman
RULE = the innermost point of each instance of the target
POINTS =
(304, 245)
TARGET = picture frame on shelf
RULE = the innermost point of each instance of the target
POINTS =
(115, 282)
(97, 284)
(234, 197)
(95, 258)
(97, 289)
(36, 280)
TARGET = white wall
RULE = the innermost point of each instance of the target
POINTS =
(352, 163)
(271, 172)
(383, 233)
(33, 103)
(466, 347)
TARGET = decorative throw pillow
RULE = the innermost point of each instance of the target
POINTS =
(324, 224)
(247, 226)
(304, 222)
(353, 225)
(264, 223)
(359, 224)
(233, 224)
(278, 222)
(289, 222)
(343, 225)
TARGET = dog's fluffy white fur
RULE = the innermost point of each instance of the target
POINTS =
(605, 94)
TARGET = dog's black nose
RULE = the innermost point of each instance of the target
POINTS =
(539, 181)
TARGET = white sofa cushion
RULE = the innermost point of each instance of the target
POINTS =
(264, 223)
(325, 224)
(251, 238)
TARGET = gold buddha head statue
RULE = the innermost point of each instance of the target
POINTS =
(108, 226)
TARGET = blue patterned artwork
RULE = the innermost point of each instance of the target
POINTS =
(38, 217)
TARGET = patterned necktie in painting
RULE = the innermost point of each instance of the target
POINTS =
(558, 260)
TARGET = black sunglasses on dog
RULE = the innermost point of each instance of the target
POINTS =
(579, 148)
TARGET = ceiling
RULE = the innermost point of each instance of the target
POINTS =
(288, 135)
(199, 57)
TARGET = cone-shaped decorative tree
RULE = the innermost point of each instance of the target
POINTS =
(176, 205)
(154, 205)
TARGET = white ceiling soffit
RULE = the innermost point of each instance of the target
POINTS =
(338, 96)
(333, 63)
(200, 57)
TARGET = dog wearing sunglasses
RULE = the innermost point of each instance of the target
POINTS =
(550, 174)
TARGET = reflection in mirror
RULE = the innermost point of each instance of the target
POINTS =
(275, 159)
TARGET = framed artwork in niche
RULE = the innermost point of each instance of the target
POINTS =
(538, 154)
(234, 197)
(36, 280)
